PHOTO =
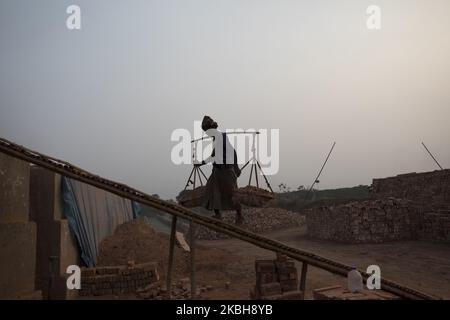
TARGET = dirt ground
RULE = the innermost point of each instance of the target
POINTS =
(421, 265)
(227, 265)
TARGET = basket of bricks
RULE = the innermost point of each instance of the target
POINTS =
(192, 198)
(252, 196)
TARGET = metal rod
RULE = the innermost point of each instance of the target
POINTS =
(199, 177)
(250, 178)
(245, 165)
(230, 132)
(171, 249)
(204, 175)
(256, 175)
(192, 247)
(265, 178)
(303, 279)
(429, 152)
(195, 176)
(189, 179)
(320, 172)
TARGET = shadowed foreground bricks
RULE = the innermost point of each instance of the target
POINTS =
(117, 279)
(276, 280)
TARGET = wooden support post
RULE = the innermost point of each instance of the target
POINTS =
(192, 247)
(195, 176)
(250, 178)
(204, 175)
(303, 279)
(171, 248)
(199, 177)
(189, 179)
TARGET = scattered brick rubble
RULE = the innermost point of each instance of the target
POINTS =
(257, 220)
(117, 279)
(341, 293)
(180, 290)
(276, 280)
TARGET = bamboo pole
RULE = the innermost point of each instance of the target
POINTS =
(303, 278)
(192, 247)
(320, 172)
(429, 152)
(171, 249)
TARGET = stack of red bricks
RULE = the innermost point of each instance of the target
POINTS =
(436, 226)
(426, 187)
(370, 221)
(276, 280)
(117, 279)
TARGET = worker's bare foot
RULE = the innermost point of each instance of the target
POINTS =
(217, 216)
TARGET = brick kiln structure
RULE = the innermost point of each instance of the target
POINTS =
(406, 207)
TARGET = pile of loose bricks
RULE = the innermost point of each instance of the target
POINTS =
(258, 220)
(113, 280)
(406, 207)
(276, 280)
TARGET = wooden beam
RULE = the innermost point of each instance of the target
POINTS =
(171, 249)
(192, 247)
(303, 279)
(256, 175)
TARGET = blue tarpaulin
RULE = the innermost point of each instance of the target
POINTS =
(94, 214)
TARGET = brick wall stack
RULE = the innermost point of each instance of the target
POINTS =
(18, 233)
(436, 226)
(373, 221)
(405, 207)
(427, 187)
(276, 280)
(430, 191)
(117, 279)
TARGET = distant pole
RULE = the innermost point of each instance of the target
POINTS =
(320, 172)
(192, 254)
(173, 231)
(431, 155)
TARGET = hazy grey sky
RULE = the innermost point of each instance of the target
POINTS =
(107, 97)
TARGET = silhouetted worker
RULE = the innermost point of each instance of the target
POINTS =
(222, 183)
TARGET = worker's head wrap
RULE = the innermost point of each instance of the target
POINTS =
(208, 123)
